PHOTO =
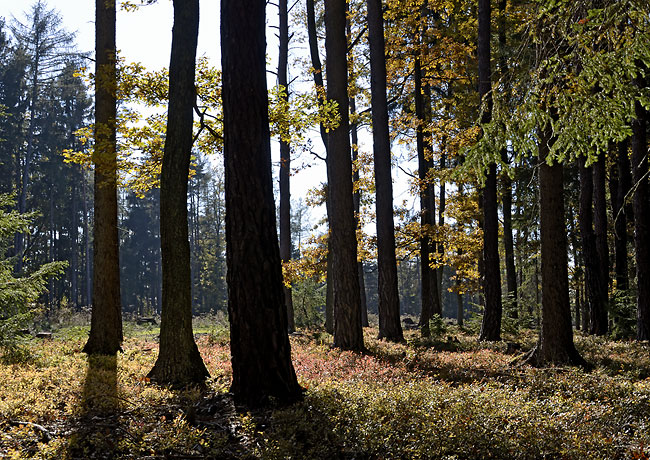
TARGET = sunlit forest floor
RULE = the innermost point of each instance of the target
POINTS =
(444, 398)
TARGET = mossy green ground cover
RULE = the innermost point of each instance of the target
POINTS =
(453, 398)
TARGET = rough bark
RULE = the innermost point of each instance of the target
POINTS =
(596, 292)
(556, 334)
(348, 333)
(390, 327)
(179, 361)
(285, 159)
(106, 320)
(260, 348)
(491, 325)
(641, 220)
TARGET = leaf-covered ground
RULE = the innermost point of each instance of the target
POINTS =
(451, 398)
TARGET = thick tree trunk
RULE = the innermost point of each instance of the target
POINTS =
(556, 335)
(430, 297)
(348, 333)
(596, 292)
(285, 159)
(106, 321)
(260, 348)
(390, 327)
(179, 361)
(491, 325)
(641, 221)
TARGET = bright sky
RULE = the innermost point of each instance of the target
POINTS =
(145, 36)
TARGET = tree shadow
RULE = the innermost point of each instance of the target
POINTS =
(96, 431)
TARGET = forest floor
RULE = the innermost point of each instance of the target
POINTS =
(446, 398)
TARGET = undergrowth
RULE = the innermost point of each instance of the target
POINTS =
(445, 398)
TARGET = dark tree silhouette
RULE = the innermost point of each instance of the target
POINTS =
(285, 157)
(348, 333)
(106, 321)
(261, 353)
(556, 334)
(641, 219)
(179, 361)
(390, 327)
(491, 325)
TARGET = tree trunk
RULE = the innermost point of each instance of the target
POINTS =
(491, 325)
(357, 209)
(390, 327)
(430, 298)
(87, 247)
(556, 335)
(600, 226)
(320, 90)
(596, 292)
(260, 348)
(285, 159)
(348, 333)
(506, 182)
(179, 362)
(106, 321)
(641, 221)
(621, 183)
(74, 247)
(441, 222)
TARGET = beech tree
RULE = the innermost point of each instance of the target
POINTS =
(106, 321)
(179, 361)
(259, 344)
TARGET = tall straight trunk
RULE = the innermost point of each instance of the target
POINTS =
(106, 320)
(596, 291)
(285, 158)
(179, 361)
(620, 185)
(506, 182)
(29, 154)
(74, 248)
(577, 270)
(641, 220)
(354, 137)
(491, 325)
(390, 327)
(348, 333)
(556, 334)
(320, 90)
(430, 298)
(87, 294)
(441, 222)
(259, 344)
(600, 223)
